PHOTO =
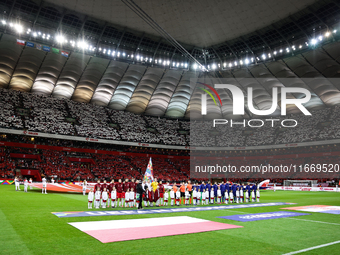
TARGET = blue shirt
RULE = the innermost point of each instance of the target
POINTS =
(215, 189)
(208, 187)
(223, 189)
(202, 187)
(234, 188)
(227, 187)
(254, 187)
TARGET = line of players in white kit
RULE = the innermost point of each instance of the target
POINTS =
(198, 195)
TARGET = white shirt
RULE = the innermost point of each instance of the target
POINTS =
(104, 195)
(16, 181)
(187, 195)
(219, 194)
(127, 195)
(212, 193)
(166, 195)
(84, 185)
(194, 193)
(198, 195)
(44, 181)
(172, 194)
(90, 196)
(203, 194)
(226, 194)
(178, 194)
(25, 182)
(132, 195)
(97, 195)
(52, 180)
(113, 194)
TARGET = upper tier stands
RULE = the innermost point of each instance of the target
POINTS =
(60, 116)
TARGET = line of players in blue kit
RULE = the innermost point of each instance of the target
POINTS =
(225, 193)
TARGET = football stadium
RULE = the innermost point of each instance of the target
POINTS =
(169, 127)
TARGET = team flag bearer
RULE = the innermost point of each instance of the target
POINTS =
(226, 195)
(104, 198)
(44, 184)
(25, 185)
(90, 197)
(17, 183)
(258, 194)
(84, 184)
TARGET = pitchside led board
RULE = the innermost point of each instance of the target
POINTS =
(222, 111)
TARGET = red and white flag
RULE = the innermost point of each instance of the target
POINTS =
(21, 42)
(124, 230)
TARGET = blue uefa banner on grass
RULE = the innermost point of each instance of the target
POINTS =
(262, 216)
(168, 210)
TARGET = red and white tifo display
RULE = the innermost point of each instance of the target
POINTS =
(60, 187)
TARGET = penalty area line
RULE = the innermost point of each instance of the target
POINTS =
(315, 221)
(312, 248)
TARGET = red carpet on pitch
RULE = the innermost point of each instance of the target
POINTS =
(124, 230)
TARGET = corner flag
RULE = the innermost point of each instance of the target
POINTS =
(149, 172)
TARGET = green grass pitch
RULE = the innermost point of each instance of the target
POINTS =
(27, 226)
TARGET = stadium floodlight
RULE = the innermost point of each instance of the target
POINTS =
(195, 66)
(60, 38)
(35, 34)
(177, 64)
(313, 41)
(263, 56)
(100, 49)
(213, 66)
(19, 28)
(334, 31)
(281, 50)
(137, 57)
(150, 60)
(131, 55)
(327, 34)
(320, 38)
(141, 58)
(275, 52)
(39, 33)
(246, 61)
(83, 44)
(3, 22)
(11, 24)
(186, 65)
(123, 54)
(118, 54)
(167, 62)
(109, 52)
(224, 64)
(182, 64)
(287, 49)
(252, 59)
(300, 46)
(235, 63)
(230, 65)
(241, 62)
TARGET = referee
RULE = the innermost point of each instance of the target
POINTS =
(139, 191)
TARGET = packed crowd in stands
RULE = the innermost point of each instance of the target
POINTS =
(66, 117)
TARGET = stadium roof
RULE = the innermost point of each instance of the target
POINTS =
(113, 66)
(200, 23)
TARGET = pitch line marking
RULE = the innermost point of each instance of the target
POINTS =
(331, 223)
(312, 248)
